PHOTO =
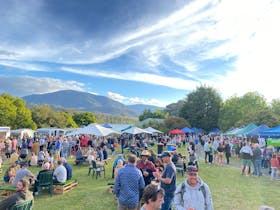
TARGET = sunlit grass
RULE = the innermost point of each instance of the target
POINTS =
(230, 190)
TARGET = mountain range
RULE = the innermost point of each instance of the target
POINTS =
(83, 101)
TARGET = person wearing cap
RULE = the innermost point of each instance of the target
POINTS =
(167, 180)
(146, 167)
(152, 197)
(193, 193)
(120, 157)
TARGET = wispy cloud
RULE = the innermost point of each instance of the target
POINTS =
(136, 100)
(172, 82)
(26, 85)
(23, 65)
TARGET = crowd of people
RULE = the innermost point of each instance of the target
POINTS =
(144, 180)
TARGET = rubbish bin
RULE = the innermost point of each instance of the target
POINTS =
(159, 148)
(171, 147)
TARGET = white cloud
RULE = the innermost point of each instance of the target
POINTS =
(136, 100)
(22, 65)
(172, 82)
(26, 85)
(256, 44)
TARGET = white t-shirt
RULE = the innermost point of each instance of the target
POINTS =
(60, 173)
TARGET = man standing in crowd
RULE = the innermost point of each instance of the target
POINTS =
(152, 197)
(193, 193)
(22, 194)
(167, 180)
(128, 185)
(246, 156)
(147, 167)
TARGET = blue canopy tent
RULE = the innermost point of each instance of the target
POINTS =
(215, 131)
(195, 130)
(187, 130)
(106, 125)
(272, 132)
(245, 130)
(233, 131)
(256, 132)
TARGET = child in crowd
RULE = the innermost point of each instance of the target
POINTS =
(274, 166)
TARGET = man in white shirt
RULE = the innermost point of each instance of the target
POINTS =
(60, 173)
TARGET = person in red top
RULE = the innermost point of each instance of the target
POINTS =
(274, 166)
(146, 167)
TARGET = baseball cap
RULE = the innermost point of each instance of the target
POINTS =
(191, 169)
(166, 154)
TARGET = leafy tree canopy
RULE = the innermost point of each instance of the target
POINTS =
(84, 118)
(240, 109)
(149, 114)
(201, 108)
(14, 113)
(173, 122)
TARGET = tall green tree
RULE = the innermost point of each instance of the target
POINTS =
(84, 118)
(149, 114)
(275, 106)
(266, 117)
(45, 116)
(201, 108)
(7, 112)
(174, 122)
(174, 108)
(14, 113)
(239, 109)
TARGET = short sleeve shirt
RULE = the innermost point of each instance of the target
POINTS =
(169, 172)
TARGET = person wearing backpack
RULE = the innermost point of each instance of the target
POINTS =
(193, 193)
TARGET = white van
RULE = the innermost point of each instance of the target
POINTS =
(19, 133)
(50, 132)
(5, 132)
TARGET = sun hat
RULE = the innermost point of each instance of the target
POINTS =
(145, 153)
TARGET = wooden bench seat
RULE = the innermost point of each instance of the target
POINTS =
(7, 190)
(60, 188)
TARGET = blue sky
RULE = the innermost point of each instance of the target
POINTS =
(142, 51)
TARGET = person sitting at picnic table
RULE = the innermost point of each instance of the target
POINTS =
(60, 173)
(22, 194)
(45, 167)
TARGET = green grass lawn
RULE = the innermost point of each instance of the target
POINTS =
(230, 190)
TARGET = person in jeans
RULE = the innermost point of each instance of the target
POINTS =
(167, 180)
(129, 185)
(257, 160)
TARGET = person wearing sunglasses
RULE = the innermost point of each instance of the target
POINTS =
(153, 197)
(193, 193)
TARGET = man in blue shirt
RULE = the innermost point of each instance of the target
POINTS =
(128, 185)
(68, 168)
(167, 180)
